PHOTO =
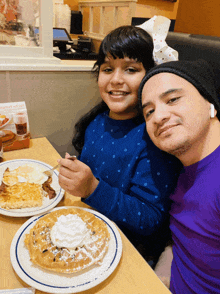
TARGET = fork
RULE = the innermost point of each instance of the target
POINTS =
(49, 172)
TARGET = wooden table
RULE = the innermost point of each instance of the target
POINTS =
(132, 275)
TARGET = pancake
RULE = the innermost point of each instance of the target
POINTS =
(47, 251)
(7, 137)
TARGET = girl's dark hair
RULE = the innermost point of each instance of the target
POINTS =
(125, 41)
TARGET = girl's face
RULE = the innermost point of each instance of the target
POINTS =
(118, 82)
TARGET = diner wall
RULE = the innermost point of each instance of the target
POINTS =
(199, 17)
(73, 4)
(149, 8)
(54, 100)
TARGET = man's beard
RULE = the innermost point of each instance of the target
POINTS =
(179, 150)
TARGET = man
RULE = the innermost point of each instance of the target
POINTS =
(182, 114)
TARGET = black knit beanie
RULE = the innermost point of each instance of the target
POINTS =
(199, 73)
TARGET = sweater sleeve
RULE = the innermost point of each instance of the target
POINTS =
(145, 205)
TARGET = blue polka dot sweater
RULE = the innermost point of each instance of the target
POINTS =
(135, 177)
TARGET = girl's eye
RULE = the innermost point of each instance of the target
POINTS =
(107, 69)
(131, 70)
(173, 100)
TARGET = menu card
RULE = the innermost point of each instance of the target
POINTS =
(14, 126)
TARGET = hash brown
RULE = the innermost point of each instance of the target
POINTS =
(21, 195)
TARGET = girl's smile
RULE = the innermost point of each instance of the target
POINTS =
(118, 82)
(118, 93)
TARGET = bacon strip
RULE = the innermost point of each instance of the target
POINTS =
(47, 188)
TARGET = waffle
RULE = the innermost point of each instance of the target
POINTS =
(48, 256)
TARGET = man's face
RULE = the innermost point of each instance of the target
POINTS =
(177, 116)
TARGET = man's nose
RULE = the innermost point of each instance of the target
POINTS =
(161, 114)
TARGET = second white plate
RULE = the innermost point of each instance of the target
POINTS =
(48, 204)
(50, 282)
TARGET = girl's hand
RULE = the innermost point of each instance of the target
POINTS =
(76, 178)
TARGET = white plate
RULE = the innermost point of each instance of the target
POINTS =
(50, 282)
(9, 116)
(48, 204)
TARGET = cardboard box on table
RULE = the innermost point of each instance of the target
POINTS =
(14, 126)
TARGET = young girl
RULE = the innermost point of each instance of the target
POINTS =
(119, 171)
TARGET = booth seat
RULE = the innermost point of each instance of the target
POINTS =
(192, 47)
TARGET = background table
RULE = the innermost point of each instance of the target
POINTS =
(133, 275)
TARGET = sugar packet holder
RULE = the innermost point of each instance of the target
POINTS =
(14, 126)
(18, 291)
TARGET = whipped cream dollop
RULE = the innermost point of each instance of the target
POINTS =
(70, 231)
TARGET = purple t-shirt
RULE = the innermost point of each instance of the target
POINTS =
(195, 226)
